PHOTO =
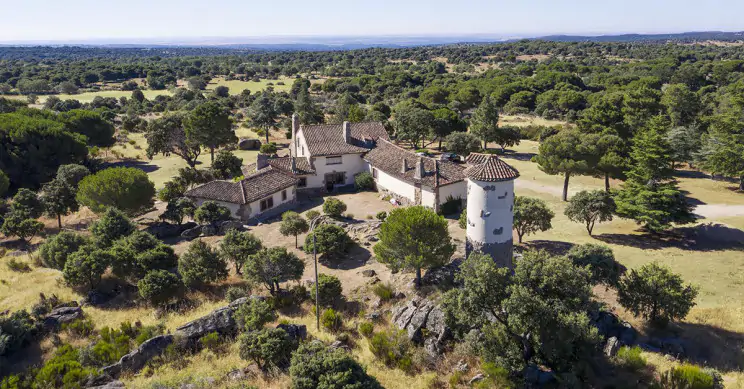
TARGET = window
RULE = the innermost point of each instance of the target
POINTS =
(333, 160)
(267, 203)
(302, 183)
(284, 195)
(374, 173)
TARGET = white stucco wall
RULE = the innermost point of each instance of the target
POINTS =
(427, 197)
(483, 197)
(457, 189)
(301, 145)
(395, 185)
(234, 208)
(256, 205)
(351, 164)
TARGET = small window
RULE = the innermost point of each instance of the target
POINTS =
(284, 195)
(333, 160)
(302, 182)
(374, 173)
(267, 204)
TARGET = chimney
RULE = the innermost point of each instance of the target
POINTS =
(294, 165)
(347, 132)
(295, 128)
(420, 172)
(436, 173)
(262, 161)
(404, 167)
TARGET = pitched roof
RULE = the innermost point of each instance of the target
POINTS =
(252, 188)
(489, 168)
(388, 158)
(328, 139)
(302, 166)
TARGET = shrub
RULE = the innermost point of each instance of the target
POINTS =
(383, 290)
(63, 371)
(254, 314)
(364, 181)
(687, 376)
(366, 328)
(311, 214)
(86, 266)
(111, 226)
(392, 348)
(127, 189)
(316, 366)
(139, 253)
(238, 246)
(381, 216)
(329, 289)
(267, 347)
(200, 265)
(531, 215)
(16, 331)
(331, 320)
(631, 358)
(462, 221)
(55, 250)
(496, 377)
(451, 206)
(19, 266)
(235, 292)
(589, 208)
(334, 207)
(17, 224)
(80, 328)
(211, 341)
(272, 266)
(293, 225)
(299, 293)
(268, 148)
(210, 212)
(160, 287)
(601, 262)
(331, 240)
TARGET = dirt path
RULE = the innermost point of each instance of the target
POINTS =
(708, 211)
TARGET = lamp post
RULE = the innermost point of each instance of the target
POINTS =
(313, 224)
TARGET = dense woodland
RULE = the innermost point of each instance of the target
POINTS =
(633, 113)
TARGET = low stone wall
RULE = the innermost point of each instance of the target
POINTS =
(502, 253)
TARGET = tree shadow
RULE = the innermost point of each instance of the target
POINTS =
(22, 360)
(692, 200)
(551, 246)
(703, 237)
(690, 174)
(519, 156)
(356, 257)
(142, 165)
(708, 345)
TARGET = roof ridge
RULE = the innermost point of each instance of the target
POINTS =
(401, 148)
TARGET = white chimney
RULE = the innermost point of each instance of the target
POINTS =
(295, 129)
(262, 161)
(347, 132)
(404, 167)
(294, 165)
(420, 172)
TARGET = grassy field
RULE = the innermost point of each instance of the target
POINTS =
(236, 86)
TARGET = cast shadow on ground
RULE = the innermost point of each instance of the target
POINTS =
(142, 165)
(356, 256)
(525, 157)
(703, 237)
(712, 346)
(551, 246)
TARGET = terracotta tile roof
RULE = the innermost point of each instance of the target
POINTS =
(284, 164)
(252, 188)
(328, 139)
(489, 168)
(388, 158)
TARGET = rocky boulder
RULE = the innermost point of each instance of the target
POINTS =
(209, 230)
(611, 346)
(249, 144)
(61, 315)
(443, 275)
(192, 233)
(609, 325)
(164, 230)
(419, 314)
(295, 331)
(138, 358)
(226, 225)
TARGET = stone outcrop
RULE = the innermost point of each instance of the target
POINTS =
(443, 275)
(138, 358)
(60, 315)
(249, 144)
(167, 230)
(616, 333)
(220, 321)
(192, 233)
(226, 225)
(419, 314)
(295, 331)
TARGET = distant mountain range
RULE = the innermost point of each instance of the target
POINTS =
(318, 43)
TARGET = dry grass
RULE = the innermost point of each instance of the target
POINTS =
(526, 120)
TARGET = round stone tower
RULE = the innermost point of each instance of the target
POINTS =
(490, 208)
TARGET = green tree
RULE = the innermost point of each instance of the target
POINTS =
(160, 287)
(590, 207)
(723, 148)
(305, 107)
(462, 143)
(89, 123)
(227, 165)
(414, 237)
(315, 366)
(178, 209)
(535, 316)
(334, 207)
(293, 224)
(485, 121)
(268, 148)
(209, 124)
(682, 104)
(262, 114)
(72, 174)
(4, 183)
(55, 251)
(684, 143)
(59, 200)
(167, 135)
(237, 247)
(564, 153)
(413, 123)
(330, 240)
(254, 314)
(18, 224)
(137, 254)
(210, 213)
(112, 225)
(127, 189)
(446, 122)
(601, 261)
(531, 215)
(26, 202)
(329, 289)
(656, 293)
(267, 347)
(85, 267)
(200, 265)
(272, 266)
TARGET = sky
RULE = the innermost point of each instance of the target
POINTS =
(71, 20)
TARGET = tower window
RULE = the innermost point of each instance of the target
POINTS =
(498, 231)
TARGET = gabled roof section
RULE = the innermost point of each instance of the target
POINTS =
(389, 158)
(489, 168)
(226, 191)
(302, 166)
(252, 188)
(328, 139)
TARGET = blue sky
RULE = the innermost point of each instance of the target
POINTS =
(112, 19)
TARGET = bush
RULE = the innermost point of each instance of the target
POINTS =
(331, 240)
(383, 290)
(329, 289)
(381, 216)
(16, 331)
(496, 377)
(392, 348)
(267, 347)
(451, 206)
(19, 266)
(55, 250)
(110, 227)
(86, 267)
(160, 287)
(200, 265)
(631, 358)
(235, 292)
(139, 253)
(462, 221)
(687, 376)
(601, 261)
(63, 371)
(366, 328)
(127, 189)
(364, 181)
(316, 366)
(80, 328)
(332, 320)
(299, 294)
(254, 314)
(211, 341)
(268, 148)
(334, 207)
(311, 214)
(210, 213)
